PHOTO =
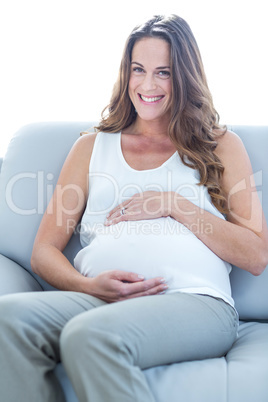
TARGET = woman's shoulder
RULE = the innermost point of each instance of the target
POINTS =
(87, 139)
(85, 143)
(234, 157)
(81, 151)
(229, 145)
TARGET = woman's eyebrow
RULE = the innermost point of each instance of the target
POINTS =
(135, 62)
(157, 68)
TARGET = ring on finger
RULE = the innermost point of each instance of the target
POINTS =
(122, 211)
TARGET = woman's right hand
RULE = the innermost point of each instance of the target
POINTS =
(113, 286)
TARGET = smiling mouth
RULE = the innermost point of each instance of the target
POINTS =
(151, 99)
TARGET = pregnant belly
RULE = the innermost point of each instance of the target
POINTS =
(152, 248)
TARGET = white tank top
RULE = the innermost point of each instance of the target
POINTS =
(154, 247)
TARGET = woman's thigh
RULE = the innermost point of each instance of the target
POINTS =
(43, 313)
(167, 328)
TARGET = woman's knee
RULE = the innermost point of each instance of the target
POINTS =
(85, 339)
(88, 331)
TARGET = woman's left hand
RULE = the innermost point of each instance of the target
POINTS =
(146, 205)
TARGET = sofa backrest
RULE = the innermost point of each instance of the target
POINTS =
(250, 292)
(30, 171)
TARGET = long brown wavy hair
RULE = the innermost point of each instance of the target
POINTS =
(193, 117)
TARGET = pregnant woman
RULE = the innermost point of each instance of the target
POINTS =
(153, 192)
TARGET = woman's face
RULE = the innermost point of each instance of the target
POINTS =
(150, 78)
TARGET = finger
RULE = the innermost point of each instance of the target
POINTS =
(152, 283)
(114, 221)
(129, 215)
(127, 276)
(148, 287)
(157, 290)
(117, 210)
(114, 215)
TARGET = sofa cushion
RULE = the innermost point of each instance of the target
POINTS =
(15, 279)
(239, 376)
(29, 173)
(250, 292)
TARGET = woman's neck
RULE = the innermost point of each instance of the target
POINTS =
(152, 128)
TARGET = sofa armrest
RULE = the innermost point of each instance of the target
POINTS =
(14, 278)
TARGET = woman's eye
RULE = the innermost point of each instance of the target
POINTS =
(164, 74)
(138, 69)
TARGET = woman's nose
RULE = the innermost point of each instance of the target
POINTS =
(148, 82)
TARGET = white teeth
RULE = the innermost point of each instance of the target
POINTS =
(156, 98)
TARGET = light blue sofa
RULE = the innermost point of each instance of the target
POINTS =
(29, 172)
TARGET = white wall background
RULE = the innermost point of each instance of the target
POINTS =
(59, 58)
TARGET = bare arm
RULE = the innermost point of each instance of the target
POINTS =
(66, 206)
(242, 240)
(63, 213)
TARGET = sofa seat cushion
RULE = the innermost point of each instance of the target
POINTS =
(247, 364)
(240, 376)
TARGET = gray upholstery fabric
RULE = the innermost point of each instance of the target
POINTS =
(29, 172)
(240, 376)
(30, 168)
(246, 287)
(15, 279)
